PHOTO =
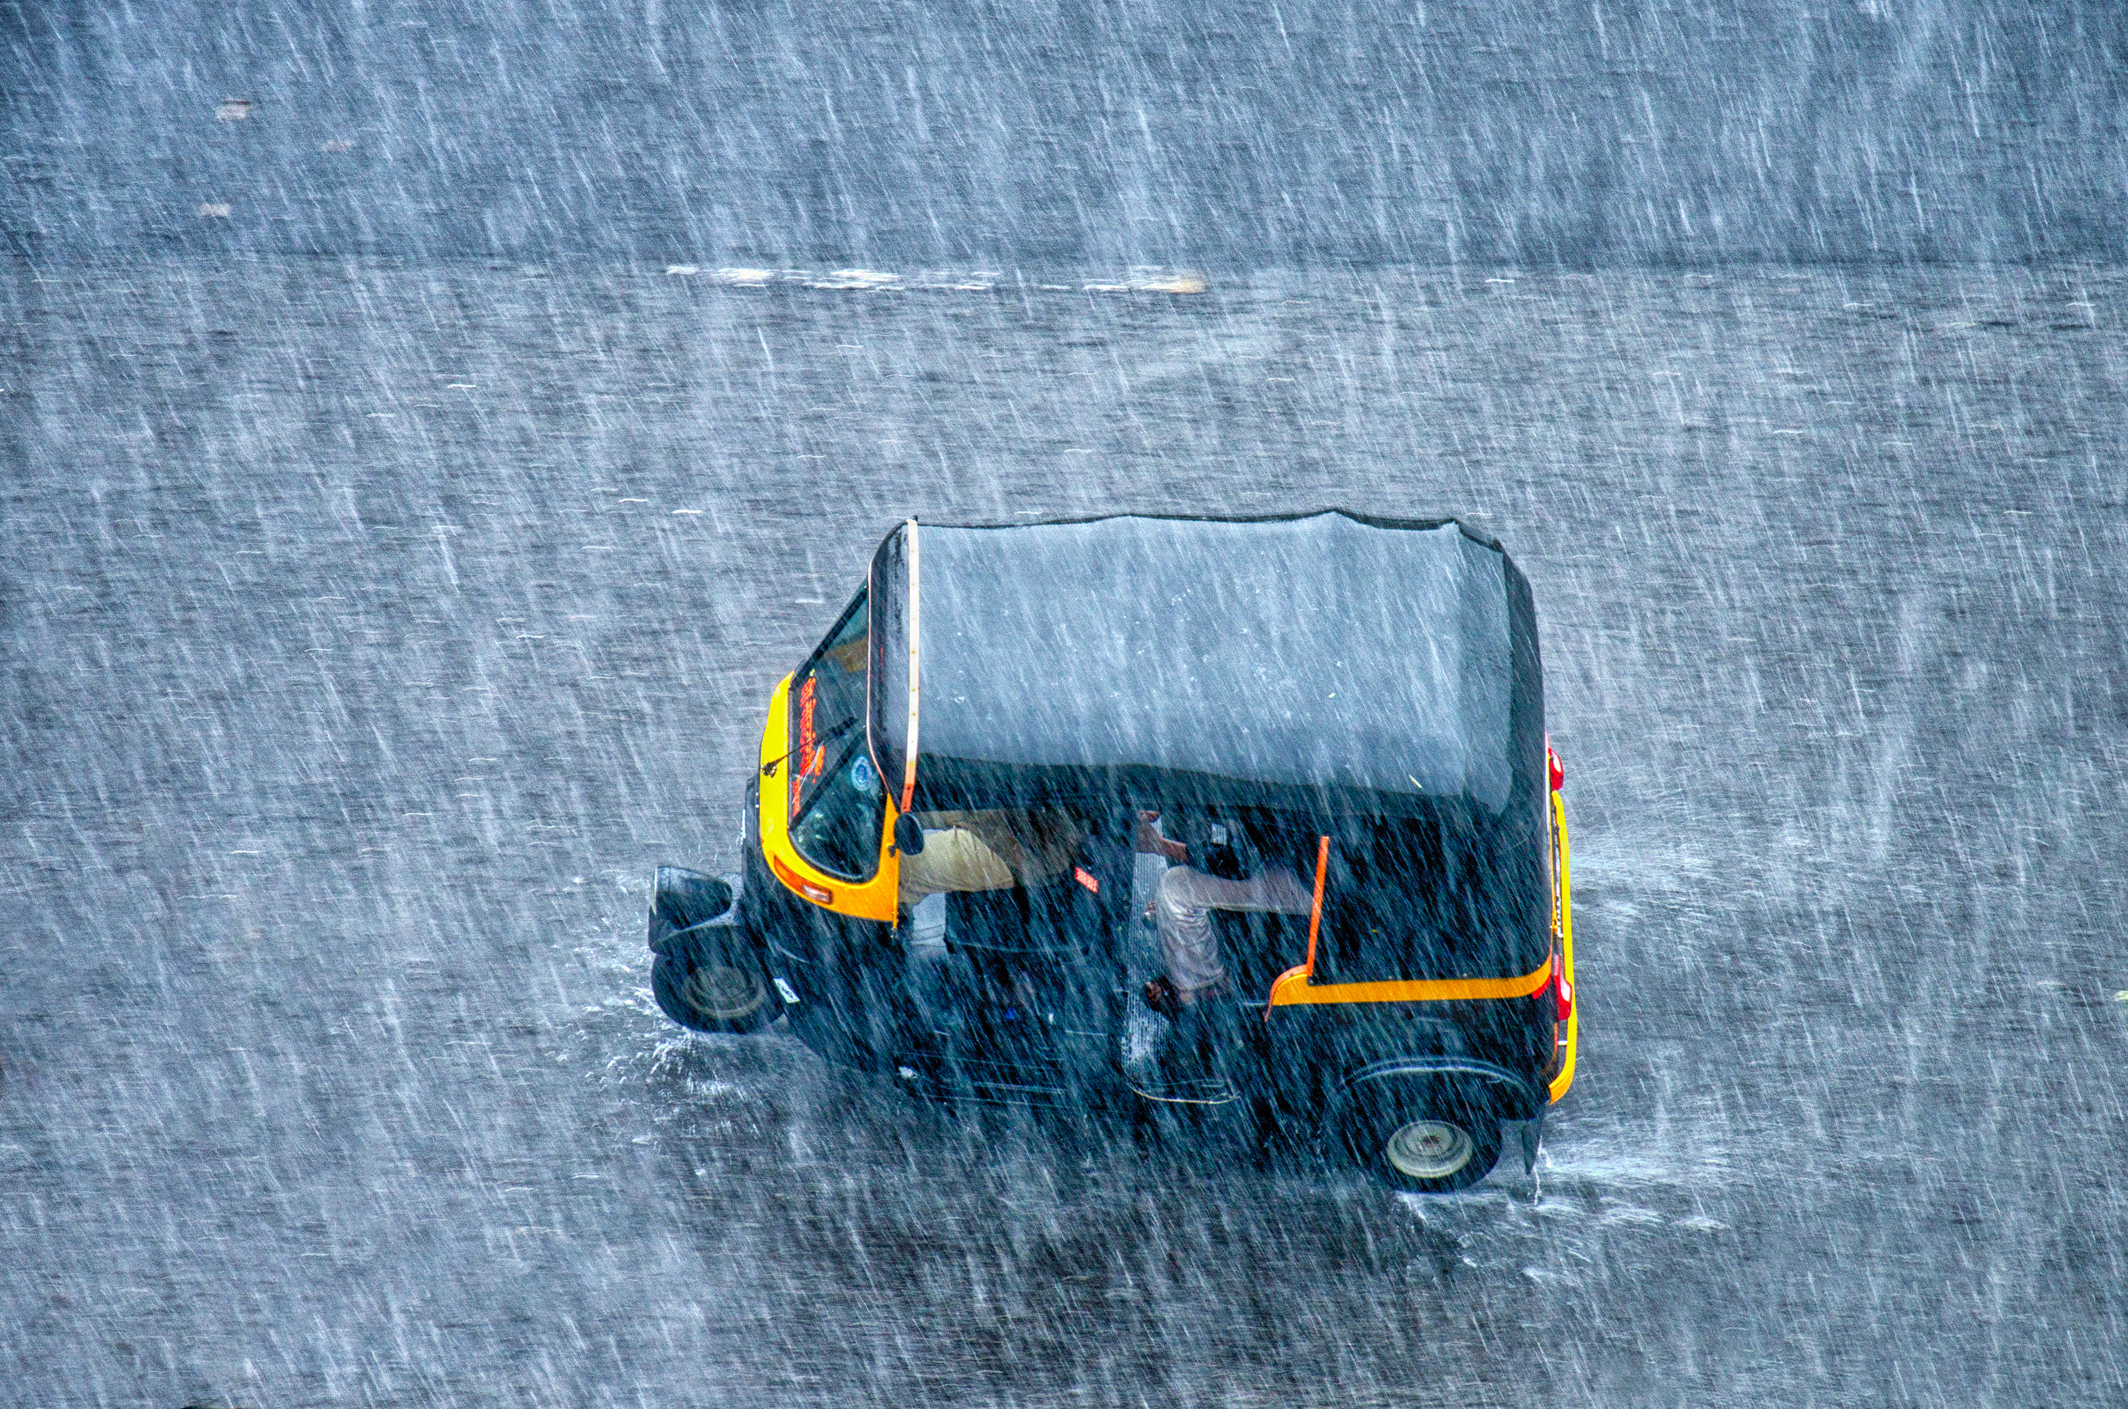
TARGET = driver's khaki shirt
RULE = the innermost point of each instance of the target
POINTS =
(992, 849)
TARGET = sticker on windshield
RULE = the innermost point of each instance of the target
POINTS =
(809, 749)
(863, 776)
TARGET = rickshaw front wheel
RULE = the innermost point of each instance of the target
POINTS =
(710, 994)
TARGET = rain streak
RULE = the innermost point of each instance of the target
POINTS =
(429, 440)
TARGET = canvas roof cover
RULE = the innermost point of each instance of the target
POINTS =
(1354, 661)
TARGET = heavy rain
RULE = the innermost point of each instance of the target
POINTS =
(430, 437)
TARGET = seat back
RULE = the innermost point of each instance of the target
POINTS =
(1077, 913)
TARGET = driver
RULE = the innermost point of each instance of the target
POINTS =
(988, 849)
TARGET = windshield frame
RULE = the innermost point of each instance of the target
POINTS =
(801, 800)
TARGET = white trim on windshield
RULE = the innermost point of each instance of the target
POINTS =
(908, 781)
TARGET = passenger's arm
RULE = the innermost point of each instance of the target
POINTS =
(1148, 840)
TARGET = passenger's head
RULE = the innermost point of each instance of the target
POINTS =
(1240, 843)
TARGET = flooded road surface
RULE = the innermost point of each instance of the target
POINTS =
(369, 635)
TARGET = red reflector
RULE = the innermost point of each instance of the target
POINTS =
(1562, 989)
(1086, 878)
(819, 895)
(1558, 769)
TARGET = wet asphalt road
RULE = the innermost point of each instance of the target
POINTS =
(369, 634)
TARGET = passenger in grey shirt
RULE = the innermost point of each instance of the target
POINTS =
(1182, 914)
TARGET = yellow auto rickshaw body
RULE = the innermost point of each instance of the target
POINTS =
(1053, 677)
(869, 898)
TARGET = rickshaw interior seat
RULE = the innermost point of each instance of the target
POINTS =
(1074, 913)
(1010, 920)
(1056, 918)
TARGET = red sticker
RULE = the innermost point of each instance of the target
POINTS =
(1086, 878)
(807, 735)
(808, 742)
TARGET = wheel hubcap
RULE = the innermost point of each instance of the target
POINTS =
(721, 991)
(1429, 1149)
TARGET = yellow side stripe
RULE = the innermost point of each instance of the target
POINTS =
(1293, 987)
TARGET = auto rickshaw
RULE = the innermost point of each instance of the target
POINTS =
(1355, 701)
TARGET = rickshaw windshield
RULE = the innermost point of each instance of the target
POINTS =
(836, 800)
(838, 825)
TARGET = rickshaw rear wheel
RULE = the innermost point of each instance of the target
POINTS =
(709, 993)
(1411, 1145)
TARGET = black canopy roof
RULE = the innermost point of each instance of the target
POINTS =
(1331, 660)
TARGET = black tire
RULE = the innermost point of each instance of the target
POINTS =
(708, 992)
(1419, 1138)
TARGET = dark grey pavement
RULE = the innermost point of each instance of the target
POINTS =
(368, 634)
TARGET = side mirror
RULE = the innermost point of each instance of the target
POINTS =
(908, 835)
